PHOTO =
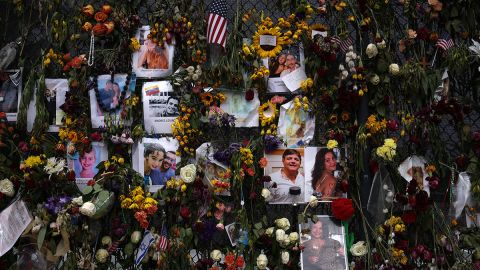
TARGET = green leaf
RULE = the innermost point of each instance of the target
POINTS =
(87, 190)
(97, 187)
(103, 195)
(258, 225)
(41, 236)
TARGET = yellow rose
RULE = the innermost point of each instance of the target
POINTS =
(332, 144)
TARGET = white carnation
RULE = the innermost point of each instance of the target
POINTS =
(88, 209)
(6, 187)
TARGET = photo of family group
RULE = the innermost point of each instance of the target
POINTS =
(84, 164)
(159, 161)
(160, 106)
(324, 245)
(10, 90)
(286, 70)
(152, 60)
(108, 98)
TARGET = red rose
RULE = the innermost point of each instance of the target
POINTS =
(110, 26)
(101, 17)
(100, 29)
(107, 9)
(392, 125)
(342, 208)
(90, 182)
(96, 136)
(249, 95)
(88, 10)
(185, 212)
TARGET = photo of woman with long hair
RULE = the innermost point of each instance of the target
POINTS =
(323, 180)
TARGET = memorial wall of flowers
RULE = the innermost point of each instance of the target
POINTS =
(329, 134)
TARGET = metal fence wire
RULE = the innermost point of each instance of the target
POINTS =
(38, 39)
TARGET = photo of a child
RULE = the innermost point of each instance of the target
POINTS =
(85, 163)
(159, 161)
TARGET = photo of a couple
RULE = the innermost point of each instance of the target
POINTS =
(283, 64)
(109, 95)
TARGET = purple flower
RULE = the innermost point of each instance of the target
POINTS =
(271, 143)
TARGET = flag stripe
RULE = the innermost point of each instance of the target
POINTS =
(217, 22)
(221, 31)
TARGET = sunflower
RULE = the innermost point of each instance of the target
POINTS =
(206, 98)
(267, 112)
(267, 51)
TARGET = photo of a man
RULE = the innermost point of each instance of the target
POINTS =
(172, 107)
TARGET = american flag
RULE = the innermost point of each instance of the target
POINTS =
(217, 22)
(163, 243)
(343, 44)
(445, 44)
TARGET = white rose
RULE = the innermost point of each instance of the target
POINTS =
(262, 261)
(106, 240)
(135, 237)
(371, 50)
(188, 173)
(283, 223)
(195, 77)
(293, 236)
(382, 45)
(216, 255)
(269, 231)
(279, 235)
(190, 69)
(358, 249)
(266, 194)
(102, 255)
(286, 240)
(375, 79)
(88, 209)
(285, 257)
(6, 187)
(78, 200)
(313, 201)
(394, 69)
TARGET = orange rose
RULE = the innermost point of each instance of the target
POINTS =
(101, 17)
(110, 26)
(87, 27)
(100, 29)
(88, 11)
(107, 9)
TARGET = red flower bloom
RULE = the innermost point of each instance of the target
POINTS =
(342, 208)
(249, 95)
(96, 136)
(184, 212)
(90, 182)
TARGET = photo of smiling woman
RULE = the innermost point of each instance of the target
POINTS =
(288, 176)
(320, 170)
